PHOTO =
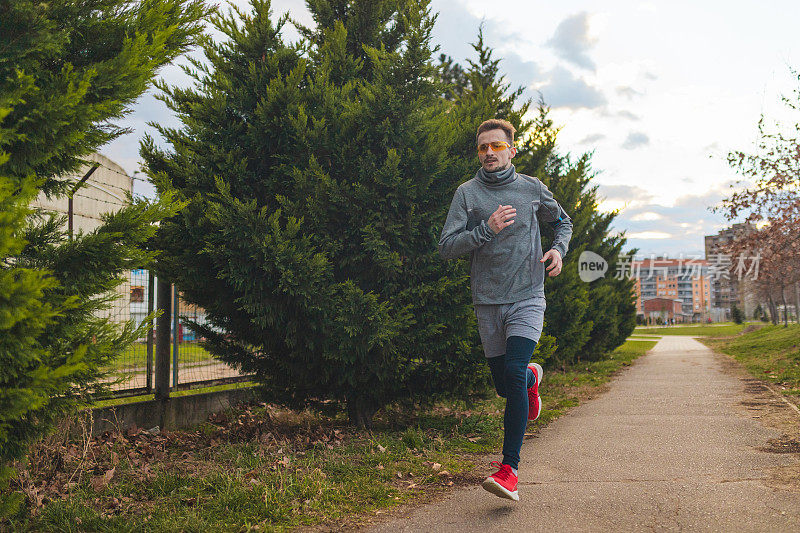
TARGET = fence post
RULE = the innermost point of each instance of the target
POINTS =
(162, 340)
(151, 282)
(175, 338)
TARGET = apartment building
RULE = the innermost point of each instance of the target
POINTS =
(727, 288)
(684, 282)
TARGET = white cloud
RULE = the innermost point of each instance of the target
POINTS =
(647, 215)
(635, 140)
(628, 92)
(650, 235)
(563, 89)
(593, 138)
(571, 41)
(628, 115)
(685, 223)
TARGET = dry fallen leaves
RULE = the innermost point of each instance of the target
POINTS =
(100, 482)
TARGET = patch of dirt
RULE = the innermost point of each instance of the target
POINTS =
(751, 327)
(786, 477)
(58, 464)
(772, 413)
(752, 404)
(783, 444)
(755, 386)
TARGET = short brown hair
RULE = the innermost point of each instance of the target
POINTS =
(497, 124)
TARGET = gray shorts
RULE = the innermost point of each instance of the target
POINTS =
(498, 322)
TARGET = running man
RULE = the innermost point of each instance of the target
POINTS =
(493, 217)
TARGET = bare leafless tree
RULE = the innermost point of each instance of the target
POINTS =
(769, 198)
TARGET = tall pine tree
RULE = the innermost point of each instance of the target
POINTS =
(582, 321)
(318, 176)
(67, 68)
(478, 93)
(587, 319)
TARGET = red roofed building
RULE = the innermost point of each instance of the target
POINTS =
(665, 308)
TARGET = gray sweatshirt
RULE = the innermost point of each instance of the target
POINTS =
(505, 267)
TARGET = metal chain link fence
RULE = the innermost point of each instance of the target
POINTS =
(191, 366)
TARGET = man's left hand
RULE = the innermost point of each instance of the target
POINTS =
(555, 267)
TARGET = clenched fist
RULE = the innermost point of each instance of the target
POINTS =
(502, 218)
(555, 265)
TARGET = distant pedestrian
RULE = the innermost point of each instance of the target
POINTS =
(493, 218)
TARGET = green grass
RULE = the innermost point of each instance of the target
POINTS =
(703, 330)
(281, 469)
(728, 323)
(135, 356)
(771, 353)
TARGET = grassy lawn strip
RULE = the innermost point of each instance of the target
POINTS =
(261, 467)
(134, 357)
(714, 331)
(771, 353)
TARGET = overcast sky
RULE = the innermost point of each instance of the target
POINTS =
(661, 91)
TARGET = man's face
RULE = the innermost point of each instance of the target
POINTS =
(493, 161)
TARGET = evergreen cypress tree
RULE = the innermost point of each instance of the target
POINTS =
(318, 176)
(478, 93)
(66, 69)
(23, 317)
(736, 314)
(588, 320)
(582, 321)
(567, 296)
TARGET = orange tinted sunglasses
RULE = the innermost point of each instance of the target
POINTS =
(497, 146)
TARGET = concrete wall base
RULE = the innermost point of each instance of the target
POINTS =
(174, 413)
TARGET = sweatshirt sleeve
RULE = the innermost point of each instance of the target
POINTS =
(456, 240)
(550, 211)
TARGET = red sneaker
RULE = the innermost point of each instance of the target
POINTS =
(502, 483)
(534, 401)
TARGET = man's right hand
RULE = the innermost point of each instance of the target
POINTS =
(502, 218)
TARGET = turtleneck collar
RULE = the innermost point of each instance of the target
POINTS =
(497, 179)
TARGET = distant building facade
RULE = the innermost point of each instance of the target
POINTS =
(678, 289)
(668, 309)
(728, 289)
(105, 191)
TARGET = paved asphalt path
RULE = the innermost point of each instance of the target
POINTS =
(669, 447)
